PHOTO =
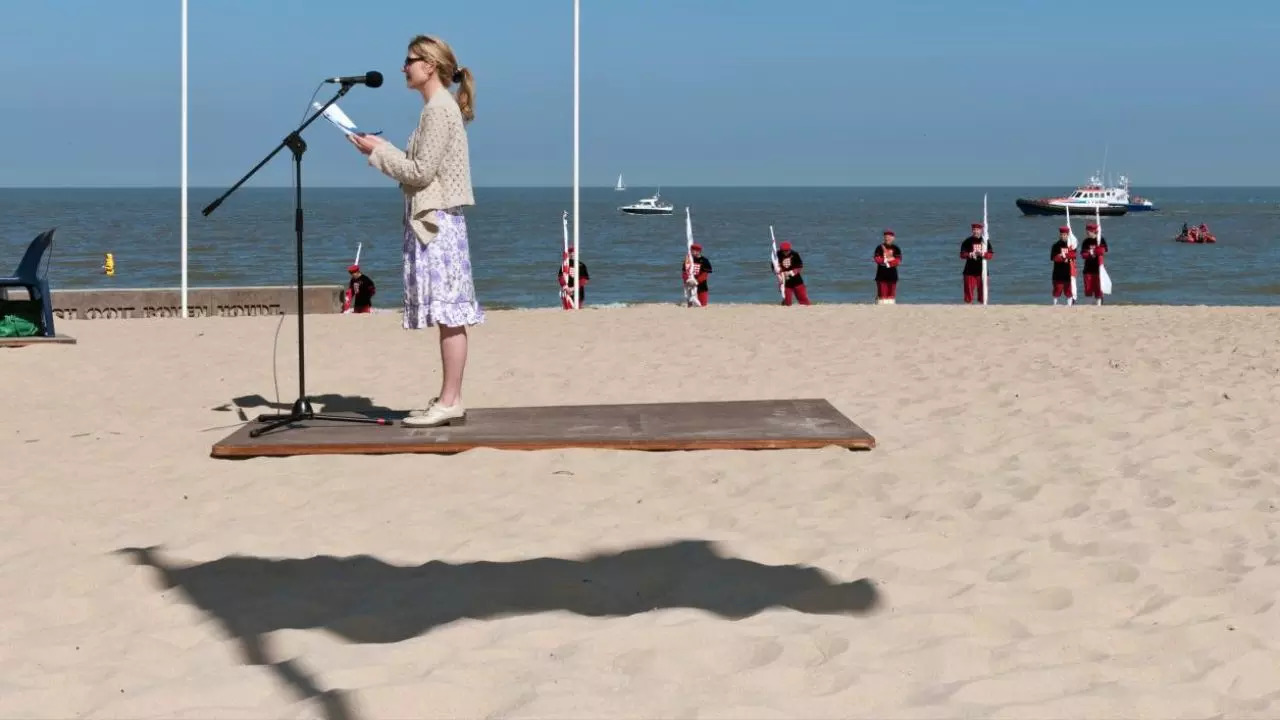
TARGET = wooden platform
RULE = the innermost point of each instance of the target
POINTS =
(739, 425)
(8, 342)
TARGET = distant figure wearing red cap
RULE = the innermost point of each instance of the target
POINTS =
(1063, 257)
(695, 274)
(1092, 249)
(789, 268)
(888, 257)
(359, 295)
(971, 253)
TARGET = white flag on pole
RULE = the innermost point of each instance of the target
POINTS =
(1104, 279)
(690, 282)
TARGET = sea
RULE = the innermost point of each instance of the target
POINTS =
(517, 237)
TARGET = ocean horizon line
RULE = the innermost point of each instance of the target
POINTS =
(637, 188)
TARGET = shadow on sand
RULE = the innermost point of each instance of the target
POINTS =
(365, 600)
(323, 403)
(328, 403)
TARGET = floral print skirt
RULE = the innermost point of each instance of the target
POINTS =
(438, 287)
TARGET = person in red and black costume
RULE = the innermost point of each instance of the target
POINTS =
(1092, 249)
(565, 276)
(790, 266)
(888, 256)
(360, 290)
(971, 253)
(697, 275)
(1063, 257)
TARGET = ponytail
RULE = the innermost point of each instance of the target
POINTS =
(466, 93)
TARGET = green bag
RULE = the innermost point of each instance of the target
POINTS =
(17, 326)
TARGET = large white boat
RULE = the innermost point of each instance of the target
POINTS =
(1136, 203)
(1110, 200)
(648, 206)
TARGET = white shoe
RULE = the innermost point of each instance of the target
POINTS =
(438, 414)
(430, 403)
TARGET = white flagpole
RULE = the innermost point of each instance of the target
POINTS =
(1104, 280)
(577, 284)
(690, 292)
(1072, 243)
(985, 238)
(183, 212)
(564, 220)
(348, 295)
(773, 258)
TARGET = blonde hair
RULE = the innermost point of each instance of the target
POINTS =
(448, 70)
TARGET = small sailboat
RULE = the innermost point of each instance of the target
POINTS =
(621, 185)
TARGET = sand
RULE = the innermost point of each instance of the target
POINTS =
(1071, 512)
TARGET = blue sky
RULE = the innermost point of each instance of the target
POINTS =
(674, 92)
(92, 93)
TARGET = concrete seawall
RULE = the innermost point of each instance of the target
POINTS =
(201, 302)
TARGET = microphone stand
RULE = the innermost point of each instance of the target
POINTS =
(302, 409)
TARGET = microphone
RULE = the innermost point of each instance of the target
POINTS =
(373, 79)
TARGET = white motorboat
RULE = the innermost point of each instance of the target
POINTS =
(649, 206)
(1110, 200)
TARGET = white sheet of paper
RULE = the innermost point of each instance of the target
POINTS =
(340, 120)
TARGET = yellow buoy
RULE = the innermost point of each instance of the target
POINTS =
(109, 264)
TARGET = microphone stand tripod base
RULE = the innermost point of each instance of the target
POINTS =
(301, 411)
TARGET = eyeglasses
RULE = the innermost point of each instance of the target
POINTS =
(409, 60)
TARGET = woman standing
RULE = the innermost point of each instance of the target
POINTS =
(435, 174)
